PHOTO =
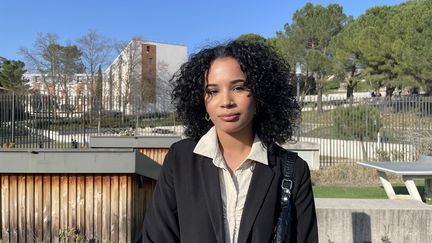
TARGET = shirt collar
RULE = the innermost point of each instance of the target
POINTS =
(208, 146)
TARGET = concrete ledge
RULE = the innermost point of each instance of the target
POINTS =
(132, 141)
(123, 161)
(310, 152)
(369, 220)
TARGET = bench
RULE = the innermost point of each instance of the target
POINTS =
(420, 169)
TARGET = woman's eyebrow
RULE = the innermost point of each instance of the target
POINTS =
(231, 82)
(211, 85)
(237, 81)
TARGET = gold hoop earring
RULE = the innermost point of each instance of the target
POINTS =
(207, 117)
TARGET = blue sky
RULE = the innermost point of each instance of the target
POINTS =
(192, 23)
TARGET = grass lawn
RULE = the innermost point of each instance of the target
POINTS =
(345, 180)
(349, 192)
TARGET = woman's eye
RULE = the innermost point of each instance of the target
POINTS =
(239, 88)
(211, 91)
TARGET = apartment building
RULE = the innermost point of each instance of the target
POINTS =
(138, 79)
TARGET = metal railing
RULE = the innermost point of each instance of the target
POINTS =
(38, 121)
(362, 129)
(346, 130)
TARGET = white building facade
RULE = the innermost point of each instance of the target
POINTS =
(73, 94)
(46, 85)
(138, 79)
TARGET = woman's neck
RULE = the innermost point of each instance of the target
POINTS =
(235, 147)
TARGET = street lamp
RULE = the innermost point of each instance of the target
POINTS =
(298, 73)
(13, 112)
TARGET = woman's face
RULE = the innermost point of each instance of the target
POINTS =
(228, 102)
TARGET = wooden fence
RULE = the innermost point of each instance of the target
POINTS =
(97, 207)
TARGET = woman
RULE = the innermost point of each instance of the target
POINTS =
(223, 183)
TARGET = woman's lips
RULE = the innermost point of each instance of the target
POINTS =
(230, 117)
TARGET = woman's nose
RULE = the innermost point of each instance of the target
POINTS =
(227, 100)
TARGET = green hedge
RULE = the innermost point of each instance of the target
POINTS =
(356, 122)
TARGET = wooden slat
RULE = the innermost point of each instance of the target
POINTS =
(106, 209)
(89, 195)
(64, 202)
(55, 209)
(129, 208)
(29, 209)
(72, 214)
(13, 207)
(47, 212)
(38, 209)
(5, 207)
(156, 154)
(98, 207)
(140, 203)
(81, 204)
(21, 197)
(114, 209)
(122, 209)
(135, 207)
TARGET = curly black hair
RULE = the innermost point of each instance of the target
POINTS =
(267, 77)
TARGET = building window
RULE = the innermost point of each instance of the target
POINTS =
(148, 49)
(150, 60)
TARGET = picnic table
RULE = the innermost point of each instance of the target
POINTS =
(420, 169)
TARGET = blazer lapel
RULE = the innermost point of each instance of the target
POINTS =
(261, 180)
(209, 177)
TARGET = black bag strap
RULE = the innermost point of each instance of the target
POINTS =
(282, 229)
(287, 180)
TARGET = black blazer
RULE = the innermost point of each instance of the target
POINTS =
(187, 204)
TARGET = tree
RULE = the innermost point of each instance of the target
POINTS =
(44, 58)
(411, 25)
(57, 63)
(287, 45)
(163, 87)
(346, 59)
(307, 40)
(95, 50)
(70, 64)
(98, 89)
(251, 37)
(11, 75)
(128, 71)
(391, 44)
(375, 44)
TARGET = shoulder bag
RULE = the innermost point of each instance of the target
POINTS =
(282, 228)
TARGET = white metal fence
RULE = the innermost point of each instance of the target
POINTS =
(346, 130)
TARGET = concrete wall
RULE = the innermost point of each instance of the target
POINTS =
(173, 55)
(352, 149)
(310, 152)
(370, 220)
(84, 161)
